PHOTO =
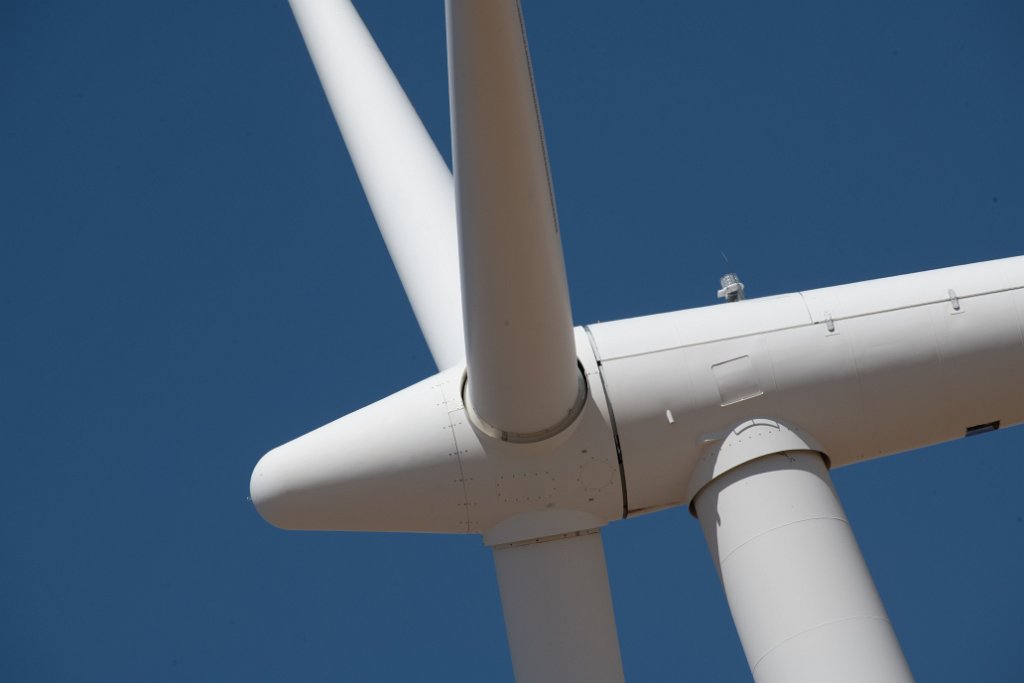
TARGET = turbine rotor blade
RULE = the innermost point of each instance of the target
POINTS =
(558, 609)
(522, 372)
(406, 181)
(804, 604)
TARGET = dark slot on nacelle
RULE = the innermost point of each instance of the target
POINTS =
(983, 428)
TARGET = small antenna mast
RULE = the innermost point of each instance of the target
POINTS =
(732, 288)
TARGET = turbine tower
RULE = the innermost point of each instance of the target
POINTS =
(535, 433)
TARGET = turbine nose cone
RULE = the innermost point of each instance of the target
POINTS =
(310, 482)
(392, 466)
(268, 489)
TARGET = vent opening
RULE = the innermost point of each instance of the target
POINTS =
(982, 429)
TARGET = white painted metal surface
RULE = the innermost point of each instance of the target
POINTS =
(392, 466)
(900, 368)
(414, 462)
(727, 408)
(878, 384)
(802, 598)
(519, 340)
(558, 610)
(406, 181)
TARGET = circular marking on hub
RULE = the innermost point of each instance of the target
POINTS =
(596, 475)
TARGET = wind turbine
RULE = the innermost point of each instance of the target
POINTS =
(545, 433)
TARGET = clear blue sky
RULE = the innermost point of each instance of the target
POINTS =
(190, 276)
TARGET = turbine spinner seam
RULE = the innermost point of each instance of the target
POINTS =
(458, 460)
(611, 418)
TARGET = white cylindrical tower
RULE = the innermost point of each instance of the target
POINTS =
(800, 593)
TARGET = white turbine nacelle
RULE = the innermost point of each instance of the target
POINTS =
(859, 371)
(853, 372)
